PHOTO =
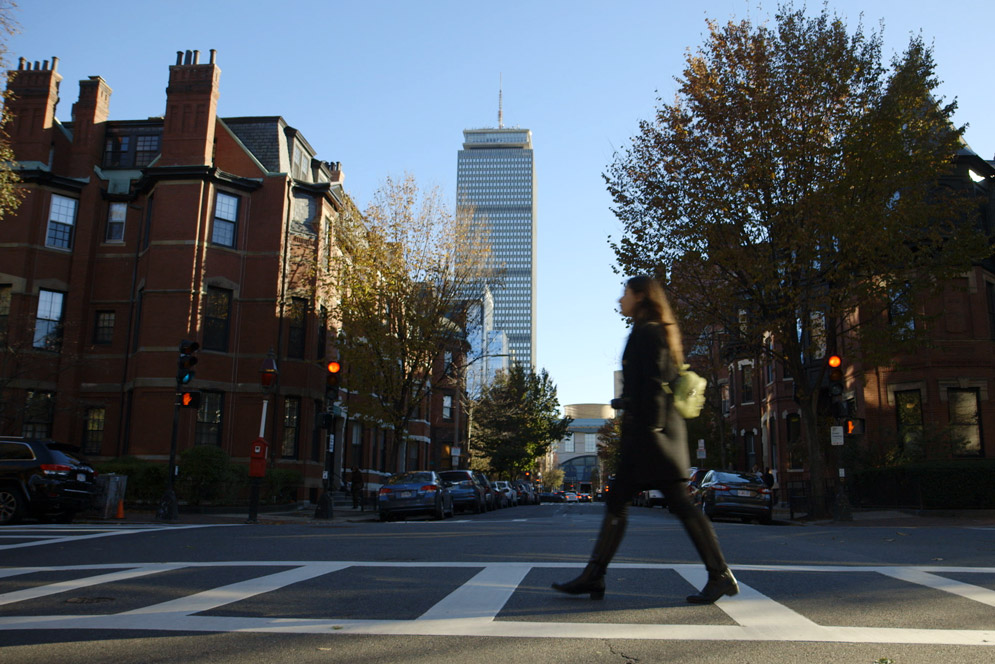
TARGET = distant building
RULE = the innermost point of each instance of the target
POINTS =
(496, 176)
(488, 346)
(577, 453)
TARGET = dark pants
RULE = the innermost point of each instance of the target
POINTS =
(357, 498)
(696, 524)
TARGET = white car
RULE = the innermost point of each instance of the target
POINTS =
(509, 491)
(571, 497)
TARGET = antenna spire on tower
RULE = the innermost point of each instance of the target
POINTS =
(500, 101)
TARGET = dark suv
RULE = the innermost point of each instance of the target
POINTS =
(43, 478)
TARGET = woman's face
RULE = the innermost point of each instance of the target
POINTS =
(629, 301)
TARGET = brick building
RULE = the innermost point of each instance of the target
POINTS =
(915, 405)
(136, 234)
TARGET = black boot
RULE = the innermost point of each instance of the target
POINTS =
(723, 583)
(591, 580)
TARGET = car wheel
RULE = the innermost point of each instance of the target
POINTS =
(440, 511)
(477, 507)
(384, 516)
(766, 519)
(11, 505)
(704, 510)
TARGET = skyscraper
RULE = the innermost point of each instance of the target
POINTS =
(496, 177)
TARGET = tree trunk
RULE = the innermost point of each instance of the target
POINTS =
(816, 460)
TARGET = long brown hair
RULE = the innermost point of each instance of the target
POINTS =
(654, 307)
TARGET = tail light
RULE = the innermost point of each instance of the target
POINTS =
(53, 468)
(764, 490)
(430, 487)
(384, 491)
(720, 487)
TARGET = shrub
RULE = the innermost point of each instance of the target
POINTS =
(146, 479)
(949, 484)
(204, 474)
(280, 485)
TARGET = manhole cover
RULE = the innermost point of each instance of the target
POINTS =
(88, 600)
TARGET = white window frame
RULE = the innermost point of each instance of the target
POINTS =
(51, 305)
(117, 213)
(224, 230)
(61, 217)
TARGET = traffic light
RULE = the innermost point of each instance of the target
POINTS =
(185, 362)
(189, 399)
(333, 370)
(853, 426)
(835, 363)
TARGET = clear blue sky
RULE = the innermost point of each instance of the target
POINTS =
(386, 87)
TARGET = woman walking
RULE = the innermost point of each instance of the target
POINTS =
(654, 445)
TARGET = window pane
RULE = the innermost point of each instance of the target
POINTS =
(291, 419)
(115, 222)
(209, 418)
(225, 219)
(217, 307)
(93, 433)
(964, 422)
(48, 334)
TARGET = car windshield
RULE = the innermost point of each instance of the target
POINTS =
(455, 475)
(61, 456)
(411, 478)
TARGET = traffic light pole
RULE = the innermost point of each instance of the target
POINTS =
(168, 508)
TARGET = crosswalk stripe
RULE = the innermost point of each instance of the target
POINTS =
(473, 607)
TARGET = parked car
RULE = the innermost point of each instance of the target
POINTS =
(695, 476)
(526, 493)
(550, 497)
(466, 491)
(511, 496)
(418, 492)
(742, 495)
(45, 479)
(650, 498)
(492, 500)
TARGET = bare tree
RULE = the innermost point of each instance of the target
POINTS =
(404, 287)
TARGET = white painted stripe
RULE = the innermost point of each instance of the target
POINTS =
(483, 596)
(758, 614)
(109, 533)
(972, 592)
(76, 584)
(211, 599)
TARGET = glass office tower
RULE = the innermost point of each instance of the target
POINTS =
(495, 175)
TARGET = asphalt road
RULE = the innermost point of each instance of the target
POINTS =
(476, 589)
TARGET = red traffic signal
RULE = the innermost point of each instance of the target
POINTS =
(835, 363)
(333, 370)
(189, 399)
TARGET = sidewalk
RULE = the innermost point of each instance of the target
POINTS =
(897, 518)
(303, 513)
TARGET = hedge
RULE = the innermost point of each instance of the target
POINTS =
(952, 484)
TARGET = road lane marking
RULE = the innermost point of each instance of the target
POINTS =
(471, 609)
(966, 590)
(236, 592)
(39, 540)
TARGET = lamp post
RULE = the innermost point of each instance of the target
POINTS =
(268, 375)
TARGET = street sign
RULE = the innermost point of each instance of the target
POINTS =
(701, 453)
(836, 435)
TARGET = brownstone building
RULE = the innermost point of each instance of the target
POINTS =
(136, 234)
(937, 403)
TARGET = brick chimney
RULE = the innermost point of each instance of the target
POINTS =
(35, 93)
(191, 111)
(91, 111)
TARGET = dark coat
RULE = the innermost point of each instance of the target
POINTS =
(654, 436)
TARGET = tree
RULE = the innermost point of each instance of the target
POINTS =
(10, 194)
(791, 189)
(402, 288)
(517, 419)
(610, 444)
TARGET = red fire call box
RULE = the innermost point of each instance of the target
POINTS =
(257, 457)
